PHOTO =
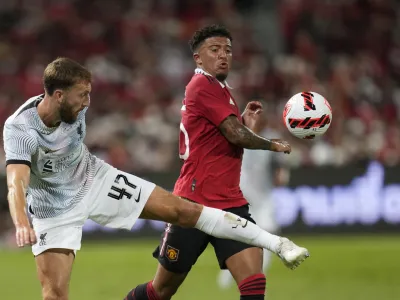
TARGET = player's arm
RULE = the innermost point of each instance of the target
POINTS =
(209, 103)
(18, 176)
(19, 146)
(238, 134)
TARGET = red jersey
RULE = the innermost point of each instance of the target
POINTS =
(210, 174)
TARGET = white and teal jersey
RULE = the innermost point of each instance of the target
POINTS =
(62, 169)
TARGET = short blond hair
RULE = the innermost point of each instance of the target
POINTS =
(63, 73)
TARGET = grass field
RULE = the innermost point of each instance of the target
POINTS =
(345, 268)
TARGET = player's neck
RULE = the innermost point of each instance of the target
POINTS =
(204, 71)
(47, 113)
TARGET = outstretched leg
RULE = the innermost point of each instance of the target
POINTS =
(164, 206)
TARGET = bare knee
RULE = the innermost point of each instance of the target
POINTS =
(53, 288)
(54, 270)
(54, 292)
(169, 208)
(166, 283)
(188, 213)
(245, 263)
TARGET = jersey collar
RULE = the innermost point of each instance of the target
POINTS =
(201, 71)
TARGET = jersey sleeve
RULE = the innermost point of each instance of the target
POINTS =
(19, 145)
(212, 104)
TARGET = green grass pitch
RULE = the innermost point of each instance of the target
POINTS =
(345, 268)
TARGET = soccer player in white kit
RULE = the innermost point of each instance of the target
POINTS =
(64, 185)
(261, 171)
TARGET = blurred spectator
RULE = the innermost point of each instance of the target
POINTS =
(137, 50)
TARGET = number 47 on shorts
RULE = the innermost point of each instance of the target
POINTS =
(119, 193)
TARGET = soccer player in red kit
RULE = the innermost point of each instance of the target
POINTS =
(213, 134)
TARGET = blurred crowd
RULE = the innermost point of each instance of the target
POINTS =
(347, 50)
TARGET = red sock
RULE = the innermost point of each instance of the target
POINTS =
(143, 291)
(151, 293)
(252, 286)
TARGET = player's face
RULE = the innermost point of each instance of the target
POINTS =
(215, 57)
(74, 101)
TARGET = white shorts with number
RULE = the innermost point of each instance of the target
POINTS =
(115, 199)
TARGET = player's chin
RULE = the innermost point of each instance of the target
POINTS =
(222, 75)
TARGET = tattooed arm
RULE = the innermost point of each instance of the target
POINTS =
(241, 136)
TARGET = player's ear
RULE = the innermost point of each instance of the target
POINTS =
(58, 96)
(197, 59)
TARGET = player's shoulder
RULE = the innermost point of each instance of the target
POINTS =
(23, 115)
(200, 86)
(21, 120)
(202, 80)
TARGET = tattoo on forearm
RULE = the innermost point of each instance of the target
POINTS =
(240, 135)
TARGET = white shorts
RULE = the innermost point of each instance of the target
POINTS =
(115, 199)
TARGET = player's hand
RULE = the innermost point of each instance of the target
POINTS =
(281, 146)
(25, 235)
(252, 113)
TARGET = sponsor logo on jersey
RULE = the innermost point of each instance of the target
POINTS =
(48, 167)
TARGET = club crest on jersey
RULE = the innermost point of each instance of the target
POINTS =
(172, 253)
(79, 129)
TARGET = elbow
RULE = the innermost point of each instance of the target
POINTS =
(238, 140)
(235, 140)
(187, 214)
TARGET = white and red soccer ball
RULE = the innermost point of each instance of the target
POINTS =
(307, 115)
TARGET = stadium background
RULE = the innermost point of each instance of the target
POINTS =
(342, 200)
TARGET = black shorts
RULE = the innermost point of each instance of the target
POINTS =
(181, 247)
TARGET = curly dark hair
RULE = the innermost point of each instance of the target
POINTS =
(206, 32)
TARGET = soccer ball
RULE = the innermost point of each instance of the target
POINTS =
(307, 115)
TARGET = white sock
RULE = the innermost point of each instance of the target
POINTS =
(226, 225)
(266, 261)
(225, 279)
